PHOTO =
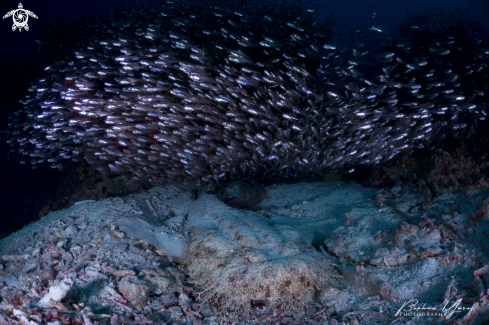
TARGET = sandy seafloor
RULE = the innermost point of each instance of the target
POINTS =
(122, 260)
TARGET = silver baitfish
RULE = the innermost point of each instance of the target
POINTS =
(192, 92)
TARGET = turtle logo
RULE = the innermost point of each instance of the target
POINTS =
(20, 17)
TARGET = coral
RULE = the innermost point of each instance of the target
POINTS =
(408, 244)
(135, 290)
(94, 270)
(394, 172)
(452, 172)
(56, 293)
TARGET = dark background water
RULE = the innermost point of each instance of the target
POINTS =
(23, 55)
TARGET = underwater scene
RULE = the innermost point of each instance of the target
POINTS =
(244, 162)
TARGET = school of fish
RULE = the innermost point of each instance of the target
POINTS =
(205, 92)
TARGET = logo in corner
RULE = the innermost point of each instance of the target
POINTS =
(20, 17)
